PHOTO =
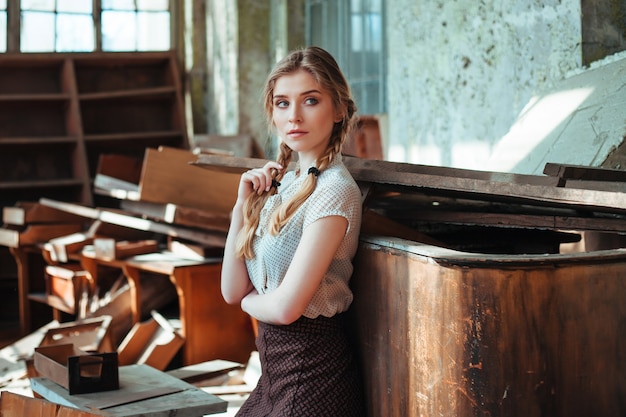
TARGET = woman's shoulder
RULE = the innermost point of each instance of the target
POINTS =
(338, 180)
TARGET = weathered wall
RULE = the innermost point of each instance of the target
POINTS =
(245, 39)
(222, 96)
(255, 18)
(604, 28)
(461, 71)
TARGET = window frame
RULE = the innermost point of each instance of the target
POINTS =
(14, 26)
(337, 40)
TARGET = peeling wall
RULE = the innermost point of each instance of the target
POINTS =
(245, 39)
(461, 71)
(222, 98)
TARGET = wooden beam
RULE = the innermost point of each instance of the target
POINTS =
(488, 186)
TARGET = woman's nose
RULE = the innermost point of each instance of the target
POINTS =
(294, 116)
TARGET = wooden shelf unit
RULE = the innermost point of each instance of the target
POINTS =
(60, 112)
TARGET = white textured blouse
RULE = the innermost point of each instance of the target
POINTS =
(336, 194)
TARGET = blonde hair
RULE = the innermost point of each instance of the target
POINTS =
(324, 69)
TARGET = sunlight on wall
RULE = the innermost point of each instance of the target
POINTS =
(538, 119)
(470, 154)
(424, 155)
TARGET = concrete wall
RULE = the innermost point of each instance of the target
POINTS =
(461, 71)
(244, 40)
(222, 95)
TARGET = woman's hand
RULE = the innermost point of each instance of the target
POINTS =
(258, 180)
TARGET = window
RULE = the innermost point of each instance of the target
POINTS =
(3, 25)
(353, 31)
(86, 25)
(61, 26)
(129, 25)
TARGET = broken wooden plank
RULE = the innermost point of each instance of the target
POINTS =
(611, 186)
(121, 218)
(204, 370)
(110, 249)
(168, 177)
(579, 172)
(176, 214)
(35, 234)
(113, 187)
(25, 212)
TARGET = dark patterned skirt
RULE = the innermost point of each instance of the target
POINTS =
(308, 370)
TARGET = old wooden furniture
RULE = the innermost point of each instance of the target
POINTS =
(491, 317)
(444, 332)
(212, 329)
(59, 112)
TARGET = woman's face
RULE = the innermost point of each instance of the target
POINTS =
(303, 113)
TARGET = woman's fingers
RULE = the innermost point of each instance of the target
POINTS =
(260, 179)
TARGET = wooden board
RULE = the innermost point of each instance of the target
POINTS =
(481, 185)
(168, 177)
(35, 233)
(183, 399)
(204, 370)
(25, 212)
(578, 172)
(175, 214)
(120, 218)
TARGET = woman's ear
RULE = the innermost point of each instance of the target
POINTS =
(339, 115)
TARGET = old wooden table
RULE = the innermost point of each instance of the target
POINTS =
(212, 329)
(144, 392)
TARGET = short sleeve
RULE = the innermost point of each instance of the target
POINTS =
(335, 198)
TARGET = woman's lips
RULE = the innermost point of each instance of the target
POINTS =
(296, 133)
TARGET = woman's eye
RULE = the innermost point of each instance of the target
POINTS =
(311, 100)
(281, 103)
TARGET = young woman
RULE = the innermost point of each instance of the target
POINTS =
(289, 250)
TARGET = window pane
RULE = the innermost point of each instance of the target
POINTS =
(156, 5)
(356, 28)
(41, 5)
(375, 35)
(37, 32)
(3, 4)
(74, 6)
(153, 31)
(3, 31)
(74, 33)
(119, 31)
(118, 5)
